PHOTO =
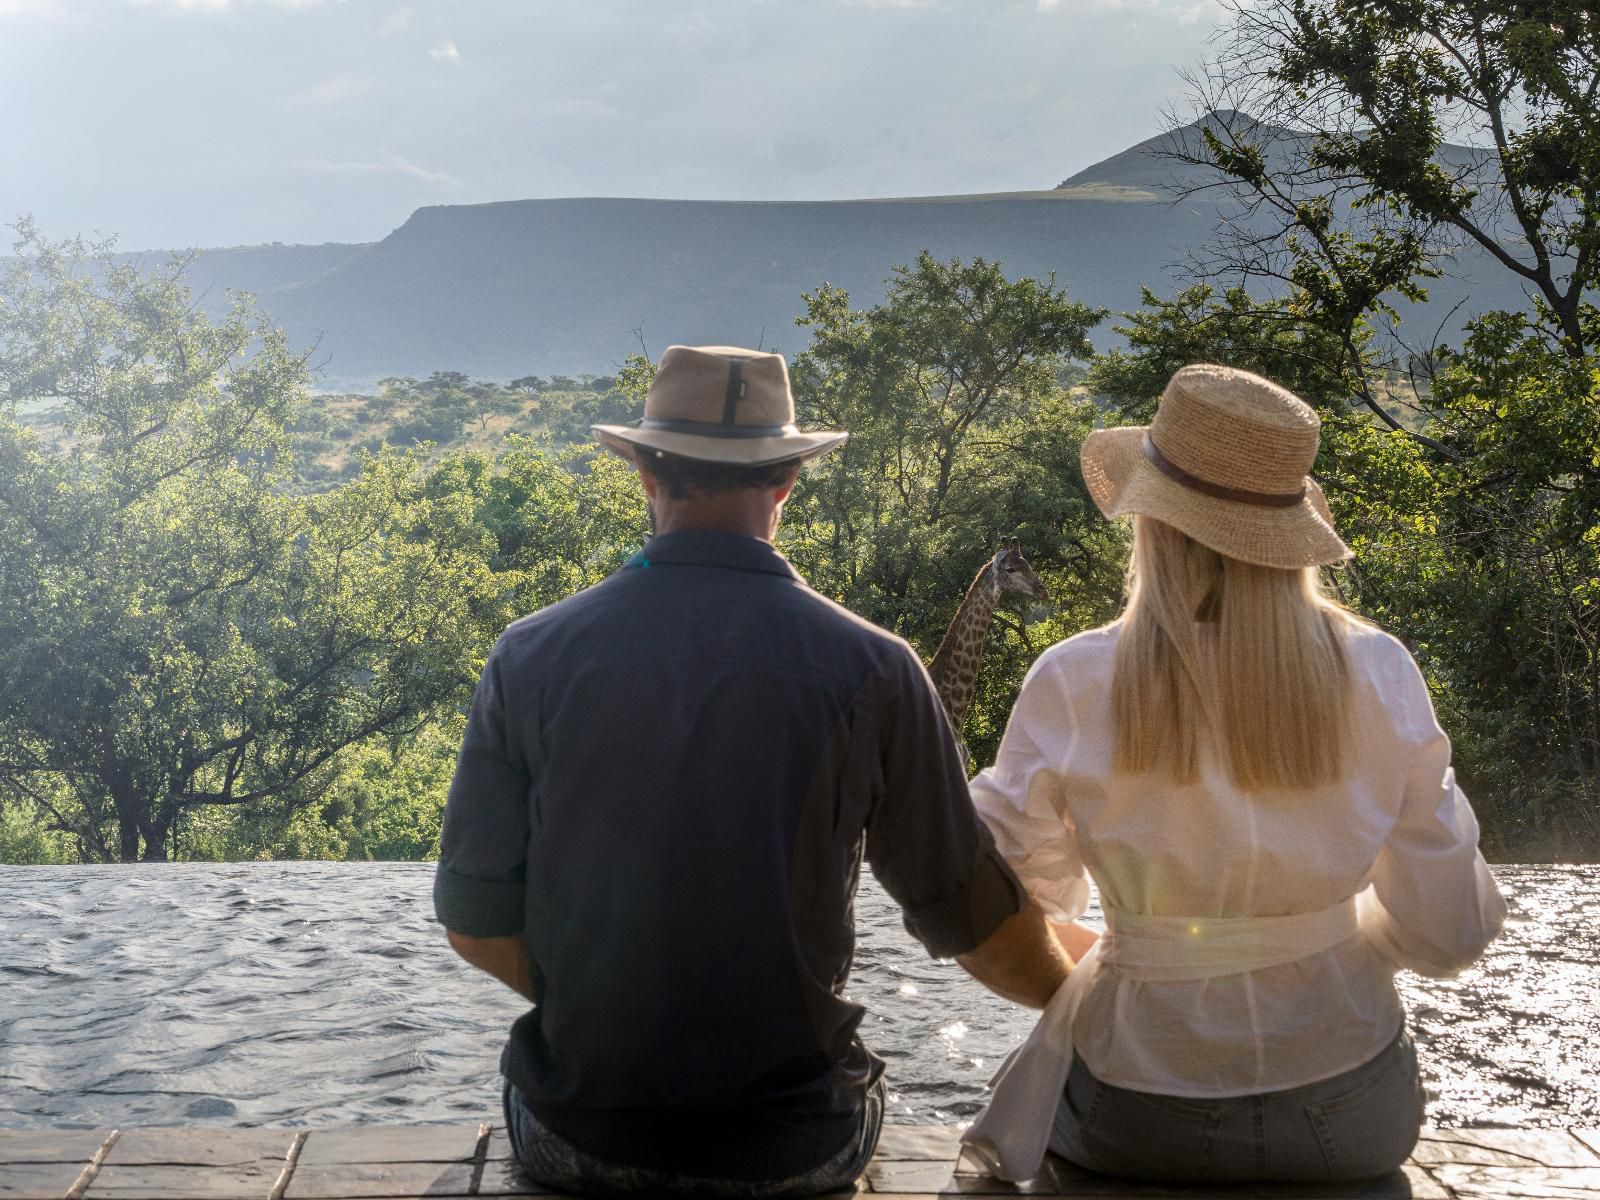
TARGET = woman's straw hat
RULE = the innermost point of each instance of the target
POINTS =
(1225, 461)
(719, 404)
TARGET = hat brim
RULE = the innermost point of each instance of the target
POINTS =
(748, 452)
(1122, 481)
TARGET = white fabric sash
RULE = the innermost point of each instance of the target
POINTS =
(1010, 1135)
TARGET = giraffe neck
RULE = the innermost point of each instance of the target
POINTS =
(955, 664)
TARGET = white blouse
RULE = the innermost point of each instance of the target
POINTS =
(1396, 832)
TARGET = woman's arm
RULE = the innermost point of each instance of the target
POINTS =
(1021, 797)
(1433, 905)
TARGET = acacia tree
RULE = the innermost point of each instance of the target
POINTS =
(176, 631)
(1352, 104)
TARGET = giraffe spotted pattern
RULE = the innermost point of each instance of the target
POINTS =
(955, 664)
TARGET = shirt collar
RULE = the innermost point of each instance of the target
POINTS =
(713, 548)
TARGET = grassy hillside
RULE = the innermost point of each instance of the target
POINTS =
(447, 411)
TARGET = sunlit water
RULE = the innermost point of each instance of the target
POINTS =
(323, 993)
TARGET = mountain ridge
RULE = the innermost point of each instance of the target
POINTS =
(570, 285)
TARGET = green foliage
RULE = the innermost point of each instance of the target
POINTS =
(448, 412)
(1233, 328)
(230, 632)
(959, 435)
(215, 644)
(1511, 609)
(385, 803)
(178, 631)
(26, 836)
(565, 416)
(388, 802)
(1403, 73)
(1369, 201)
(561, 521)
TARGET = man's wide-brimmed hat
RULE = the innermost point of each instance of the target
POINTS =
(719, 404)
(1225, 460)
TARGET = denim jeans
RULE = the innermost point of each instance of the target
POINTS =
(1356, 1125)
(550, 1160)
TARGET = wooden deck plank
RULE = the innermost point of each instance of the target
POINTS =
(1411, 1181)
(197, 1146)
(499, 1146)
(957, 1178)
(190, 1162)
(390, 1144)
(410, 1162)
(346, 1181)
(37, 1180)
(1467, 1182)
(502, 1177)
(1504, 1148)
(927, 1143)
(501, 1174)
(49, 1145)
(162, 1181)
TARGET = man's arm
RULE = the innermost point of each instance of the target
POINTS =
(1021, 960)
(1076, 938)
(479, 885)
(506, 958)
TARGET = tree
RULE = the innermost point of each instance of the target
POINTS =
(1352, 195)
(491, 400)
(1376, 483)
(386, 802)
(1510, 612)
(561, 520)
(177, 631)
(959, 436)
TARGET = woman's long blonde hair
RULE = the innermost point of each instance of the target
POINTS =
(1245, 660)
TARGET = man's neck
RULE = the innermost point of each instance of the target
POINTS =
(748, 513)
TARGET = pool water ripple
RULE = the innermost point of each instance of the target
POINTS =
(319, 993)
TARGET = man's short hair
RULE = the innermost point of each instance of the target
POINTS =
(682, 477)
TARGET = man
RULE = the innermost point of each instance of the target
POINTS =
(657, 821)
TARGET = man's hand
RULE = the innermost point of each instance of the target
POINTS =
(506, 958)
(1021, 960)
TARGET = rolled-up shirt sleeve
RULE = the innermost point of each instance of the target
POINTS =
(924, 842)
(1022, 801)
(478, 888)
(1433, 905)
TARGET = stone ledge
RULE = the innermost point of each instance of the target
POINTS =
(406, 1162)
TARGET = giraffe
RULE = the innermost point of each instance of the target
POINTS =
(955, 664)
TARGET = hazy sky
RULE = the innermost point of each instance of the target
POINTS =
(223, 122)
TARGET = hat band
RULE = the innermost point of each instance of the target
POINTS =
(1206, 488)
(716, 429)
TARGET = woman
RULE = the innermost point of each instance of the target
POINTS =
(1255, 781)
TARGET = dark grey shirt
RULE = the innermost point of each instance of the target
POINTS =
(666, 787)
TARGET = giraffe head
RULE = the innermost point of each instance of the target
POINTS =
(1010, 572)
